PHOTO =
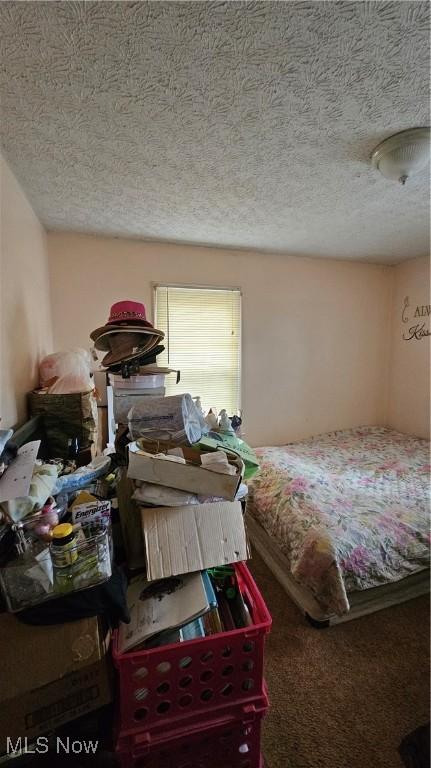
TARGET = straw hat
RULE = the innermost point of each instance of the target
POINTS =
(124, 346)
(146, 335)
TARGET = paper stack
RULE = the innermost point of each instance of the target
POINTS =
(166, 608)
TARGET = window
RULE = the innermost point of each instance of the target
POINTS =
(202, 329)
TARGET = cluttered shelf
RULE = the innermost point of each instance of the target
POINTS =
(141, 550)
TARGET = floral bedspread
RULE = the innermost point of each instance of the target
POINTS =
(349, 509)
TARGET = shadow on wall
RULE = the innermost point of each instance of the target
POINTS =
(21, 358)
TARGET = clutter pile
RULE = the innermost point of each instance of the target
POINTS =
(47, 546)
(56, 574)
(164, 508)
(190, 662)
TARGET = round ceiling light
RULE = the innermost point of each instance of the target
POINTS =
(403, 155)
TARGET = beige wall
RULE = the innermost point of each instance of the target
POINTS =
(409, 378)
(315, 332)
(323, 343)
(25, 315)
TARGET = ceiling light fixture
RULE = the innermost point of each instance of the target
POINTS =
(403, 155)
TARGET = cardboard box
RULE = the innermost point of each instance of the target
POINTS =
(130, 522)
(190, 538)
(50, 675)
(100, 382)
(186, 477)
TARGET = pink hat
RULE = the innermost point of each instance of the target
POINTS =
(130, 313)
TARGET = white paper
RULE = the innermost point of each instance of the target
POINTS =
(217, 461)
(43, 571)
(15, 482)
(155, 608)
(170, 457)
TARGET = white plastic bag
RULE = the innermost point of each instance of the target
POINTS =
(175, 418)
(64, 373)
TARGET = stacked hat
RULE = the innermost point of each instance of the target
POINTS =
(127, 335)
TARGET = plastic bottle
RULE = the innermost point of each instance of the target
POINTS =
(225, 423)
(64, 550)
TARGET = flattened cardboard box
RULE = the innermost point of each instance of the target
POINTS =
(50, 675)
(193, 537)
(186, 477)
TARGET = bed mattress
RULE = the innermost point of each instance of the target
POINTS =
(349, 510)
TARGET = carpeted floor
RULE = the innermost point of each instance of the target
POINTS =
(343, 697)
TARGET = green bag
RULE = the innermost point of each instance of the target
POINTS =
(66, 417)
(237, 446)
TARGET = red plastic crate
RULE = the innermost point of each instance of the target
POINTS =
(224, 742)
(163, 687)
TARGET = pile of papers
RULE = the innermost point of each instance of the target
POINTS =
(182, 608)
(189, 533)
(167, 605)
(189, 503)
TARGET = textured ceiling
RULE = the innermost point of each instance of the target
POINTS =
(226, 123)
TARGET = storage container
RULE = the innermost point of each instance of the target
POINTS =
(195, 679)
(223, 742)
(125, 399)
(137, 382)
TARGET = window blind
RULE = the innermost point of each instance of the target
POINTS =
(202, 329)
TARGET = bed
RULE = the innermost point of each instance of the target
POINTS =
(342, 520)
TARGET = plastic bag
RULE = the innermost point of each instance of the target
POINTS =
(68, 372)
(83, 476)
(175, 418)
